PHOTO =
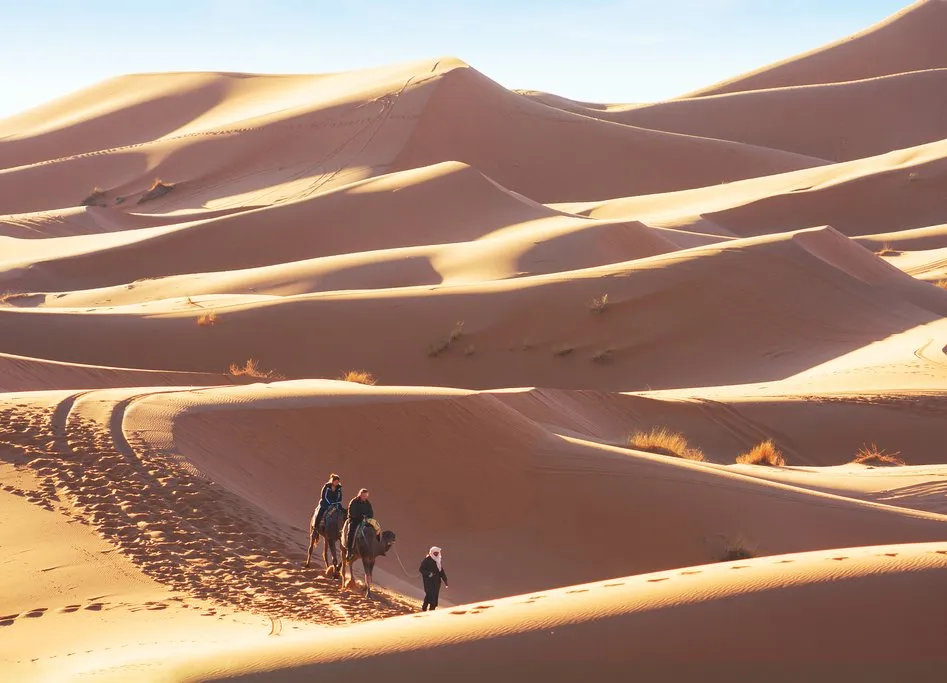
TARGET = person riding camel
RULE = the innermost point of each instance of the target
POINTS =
(359, 509)
(331, 495)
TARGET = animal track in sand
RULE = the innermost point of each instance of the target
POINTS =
(578, 590)
(660, 578)
(691, 572)
(177, 527)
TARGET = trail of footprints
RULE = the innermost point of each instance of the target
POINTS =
(179, 528)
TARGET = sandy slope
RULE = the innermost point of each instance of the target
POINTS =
(837, 121)
(672, 626)
(530, 280)
(907, 41)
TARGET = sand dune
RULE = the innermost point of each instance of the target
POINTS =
(907, 41)
(528, 281)
(837, 121)
(457, 336)
(640, 623)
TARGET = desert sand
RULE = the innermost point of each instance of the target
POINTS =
(191, 263)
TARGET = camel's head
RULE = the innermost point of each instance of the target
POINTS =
(387, 540)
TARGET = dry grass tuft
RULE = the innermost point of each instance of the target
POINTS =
(562, 350)
(599, 304)
(734, 549)
(877, 457)
(94, 197)
(252, 369)
(207, 320)
(359, 377)
(663, 442)
(941, 283)
(158, 189)
(886, 250)
(764, 453)
(440, 347)
(7, 298)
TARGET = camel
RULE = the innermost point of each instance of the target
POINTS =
(330, 528)
(369, 548)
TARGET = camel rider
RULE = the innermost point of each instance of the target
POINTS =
(331, 495)
(359, 508)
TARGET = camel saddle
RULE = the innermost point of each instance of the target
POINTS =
(370, 521)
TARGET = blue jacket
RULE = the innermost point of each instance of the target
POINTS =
(330, 497)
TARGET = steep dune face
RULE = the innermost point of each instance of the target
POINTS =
(468, 116)
(908, 41)
(837, 121)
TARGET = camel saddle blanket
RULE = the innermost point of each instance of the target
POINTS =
(370, 521)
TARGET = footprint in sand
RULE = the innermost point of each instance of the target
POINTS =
(459, 611)
(839, 559)
(741, 566)
(690, 573)
(69, 608)
(95, 607)
(612, 585)
(662, 578)
(579, 590)
(6, 622)
(36, 613)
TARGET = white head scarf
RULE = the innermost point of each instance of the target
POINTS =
(437, 558)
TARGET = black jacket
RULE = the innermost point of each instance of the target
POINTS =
(430, 572)
(330, 497)
(360, 509)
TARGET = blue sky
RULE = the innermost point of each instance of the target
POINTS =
(598, 50)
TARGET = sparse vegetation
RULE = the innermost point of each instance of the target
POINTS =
(734, 549)
(359, 377)
(764, 453)
(440, 347)
(886, 250)
(158, 189)
(253, 370)
(207, 320)
(877, 457)
(94, 197)
(599, 304)
(603, 357)
(663, 442)
(562, 350)
(941, 283)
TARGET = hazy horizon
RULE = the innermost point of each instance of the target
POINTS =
(603, 50)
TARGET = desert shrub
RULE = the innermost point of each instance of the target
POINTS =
(878, 457)
(764, 453)
(359, 377)
(251, 368)
(663, 442)
(158, 188)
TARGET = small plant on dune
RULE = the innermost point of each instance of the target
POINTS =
(603, 357)
(158, 188)
(94, 197)
(562, 350)
(599, 304)
(7, 298)
(359, 377)
(764, 453)
(441, 346)
(877, 457)
(253, 370)
(941, 283)
(727, 549)
(207, 320)
(663, 442)
(886, 250)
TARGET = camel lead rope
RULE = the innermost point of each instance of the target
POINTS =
(410, 576)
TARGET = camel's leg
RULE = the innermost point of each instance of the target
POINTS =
(313, 539)
(325, 558)
(368, 565)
